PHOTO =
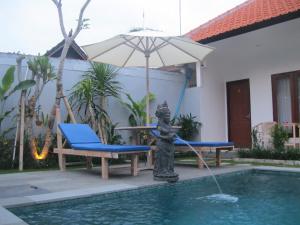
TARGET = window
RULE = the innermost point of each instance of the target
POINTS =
(286, 97)
(191, 74)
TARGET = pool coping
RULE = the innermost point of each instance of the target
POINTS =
(8, 218)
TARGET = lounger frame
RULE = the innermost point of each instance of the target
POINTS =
(217, 149)
(101, 154)
(200, 163)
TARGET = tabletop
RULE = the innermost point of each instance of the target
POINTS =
(142, 128)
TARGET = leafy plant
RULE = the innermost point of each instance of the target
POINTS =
(189, 126)
(104, 83)
(138, 115)
(6, 90)
(255, 140)
(112, 136)
(90, 95)
(6, 146)
(82, 95)
(279, 137)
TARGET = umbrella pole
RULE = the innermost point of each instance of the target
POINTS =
(148, 90)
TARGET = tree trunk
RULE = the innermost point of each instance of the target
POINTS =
(102, 120)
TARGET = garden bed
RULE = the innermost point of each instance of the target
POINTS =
(269, 161)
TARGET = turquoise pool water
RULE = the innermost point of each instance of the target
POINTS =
(263, 198)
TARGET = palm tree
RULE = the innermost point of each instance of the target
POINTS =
(82, 98)
(97, 85)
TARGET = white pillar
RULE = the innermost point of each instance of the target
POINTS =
(198, 74)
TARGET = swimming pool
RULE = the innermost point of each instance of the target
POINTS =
(264, 197)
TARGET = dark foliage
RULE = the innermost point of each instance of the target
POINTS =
(189, 126)
(258, 153)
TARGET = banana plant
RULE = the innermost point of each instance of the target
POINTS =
(138, 114)
(6, 90)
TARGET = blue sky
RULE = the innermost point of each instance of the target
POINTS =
(32, 27)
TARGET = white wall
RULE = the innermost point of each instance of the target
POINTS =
(255, 56)
(165, 86)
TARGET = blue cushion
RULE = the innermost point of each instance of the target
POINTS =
(178, 142)
(110, 148)
(78, 133)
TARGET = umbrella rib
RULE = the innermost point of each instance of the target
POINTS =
(133, 44)
(126, 61)
(109, 49)
(156, 49)
(153, 44)
(141, 38)
(179, 48)
(161, 45)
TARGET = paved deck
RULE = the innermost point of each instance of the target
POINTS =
(37, 187)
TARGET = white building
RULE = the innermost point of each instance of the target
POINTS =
(254, 74)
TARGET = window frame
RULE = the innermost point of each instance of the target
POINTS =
(292, 76)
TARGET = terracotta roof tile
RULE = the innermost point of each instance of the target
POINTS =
(246, 14)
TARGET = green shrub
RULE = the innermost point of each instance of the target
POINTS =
(6, 149)
(6, 156)
(258, 153)
(255, 140)
(279, 136)
(189, 126)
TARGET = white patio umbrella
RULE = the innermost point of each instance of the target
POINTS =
(149, 49)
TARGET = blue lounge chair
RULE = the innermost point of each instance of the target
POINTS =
(199, 146)
(84, 142)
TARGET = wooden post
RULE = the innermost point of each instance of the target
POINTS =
(104, 168)
(61, 156)
(134, 164)
(21, 149)
(218, 157)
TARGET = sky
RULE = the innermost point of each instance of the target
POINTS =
(32, 26)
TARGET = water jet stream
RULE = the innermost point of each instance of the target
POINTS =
(200, 157)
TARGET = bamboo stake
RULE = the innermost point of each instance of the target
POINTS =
(16, 140)
(61, 157)
(69, 109)
(21, 149)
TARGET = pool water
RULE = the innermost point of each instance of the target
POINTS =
(252, 197)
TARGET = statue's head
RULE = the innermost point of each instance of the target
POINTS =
(163, 112)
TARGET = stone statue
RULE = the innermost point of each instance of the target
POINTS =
(164, 156)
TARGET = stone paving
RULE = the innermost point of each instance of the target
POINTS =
(37, 187)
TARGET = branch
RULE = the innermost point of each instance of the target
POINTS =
(60, 15)
(79, 24)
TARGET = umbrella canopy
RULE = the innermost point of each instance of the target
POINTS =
(147, 48)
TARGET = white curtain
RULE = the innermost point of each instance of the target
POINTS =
(284, 106)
